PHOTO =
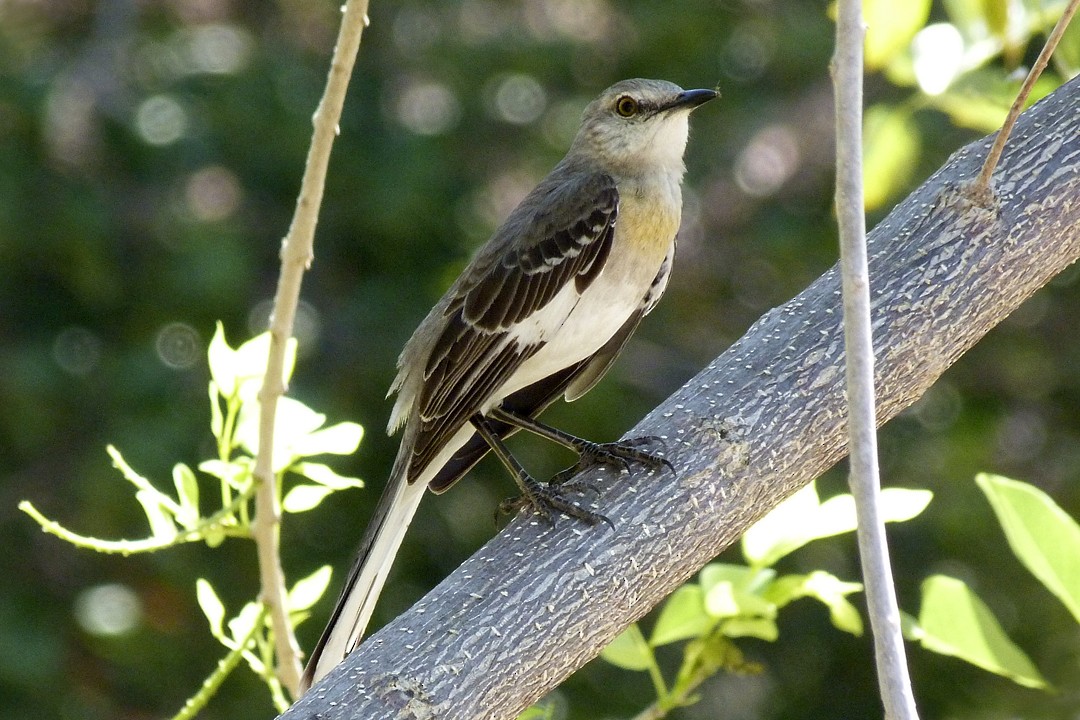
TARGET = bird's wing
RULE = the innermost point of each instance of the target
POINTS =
(535, 256)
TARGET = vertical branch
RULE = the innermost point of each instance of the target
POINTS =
(865, 483)
(296, 256)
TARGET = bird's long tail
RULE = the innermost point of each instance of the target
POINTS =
(380, 544)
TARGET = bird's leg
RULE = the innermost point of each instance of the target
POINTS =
(541, 497)
(619, 453)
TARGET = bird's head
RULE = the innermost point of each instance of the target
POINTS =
(639, 126)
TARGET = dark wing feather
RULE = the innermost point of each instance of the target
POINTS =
(517, 284)
(528, 262)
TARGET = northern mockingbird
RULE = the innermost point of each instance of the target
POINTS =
(542, 310)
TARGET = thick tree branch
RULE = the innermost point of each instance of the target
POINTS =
(763, 419)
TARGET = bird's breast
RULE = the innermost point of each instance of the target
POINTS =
(573, 327)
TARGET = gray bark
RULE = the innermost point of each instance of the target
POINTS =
(760, 421)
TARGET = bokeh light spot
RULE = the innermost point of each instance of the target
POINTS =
(178, 345)
(218, 49)
(160, 120)
(111, 609)
(519, 99)
(212, 193)
(427, 108)
(77, 350)
(307, 325)
(768, 161)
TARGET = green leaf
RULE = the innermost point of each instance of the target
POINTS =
(340, 439)
(307, 591)
(217, 420)
(294, 421)
(242, 625)
(323, 475)
(968, 17)
(222, 361)
(739, 576)
(937, 59)
(682, 617)
(250, 363)
(802, 518)
(1067, 54)
(302, 498)
(954, 621)
(891, 152)
(187, 491)
(629, 650)
(162, 526)
(725, 600)
(240, 371)
(890, 26)
(1040, 534)
(760, 628)
(832, 592)
(211, 605)
(237, 472)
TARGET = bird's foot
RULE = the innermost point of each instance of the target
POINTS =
(545, 499)
(619, 454)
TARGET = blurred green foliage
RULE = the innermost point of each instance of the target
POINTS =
(150, 155)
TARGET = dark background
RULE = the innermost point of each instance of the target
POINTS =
(150, 154)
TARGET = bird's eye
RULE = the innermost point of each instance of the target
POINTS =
(626, 106)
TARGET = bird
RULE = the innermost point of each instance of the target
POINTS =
(541, 311)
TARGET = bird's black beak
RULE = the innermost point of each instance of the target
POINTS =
(691, 99)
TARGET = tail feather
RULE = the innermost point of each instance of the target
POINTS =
(380, 544)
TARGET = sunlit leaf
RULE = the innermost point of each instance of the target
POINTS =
(725, 600)
(222, 361)
(1067, 55)
(1040, 534)
(786, 528)
(162, 526)
(996, 16)
(324, 475)
(217, 420)
(302, 498)
(682, 617)
(251, 359)
(240, 371)
(837, 514)
(938, 57)
(211, 605)
(307, 591)
(187, 491)
(242, 625)
(236, 472)
(801, 518)
(340, 439)
(832, 592)
(293, 422)
(969, 17)
(890, 154)
(954, 621)
(890, 26)
(755, 627)
(629, 650)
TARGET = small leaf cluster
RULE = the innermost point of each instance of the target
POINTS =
(180, 516)
(729, 601)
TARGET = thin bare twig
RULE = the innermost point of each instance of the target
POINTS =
(981, 187)
(893, 679)
(296, 256)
